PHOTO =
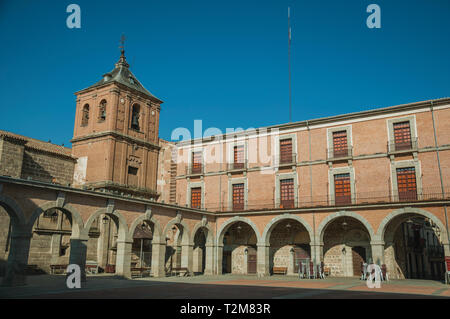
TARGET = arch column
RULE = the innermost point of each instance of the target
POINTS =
(219, 259)
(377, 247)
(209, 262)
(123, 258)
(158, 257)
(17, 259)
(316, 252)
(291, 266)
(78, 250)
(187, 256)
(262, 256)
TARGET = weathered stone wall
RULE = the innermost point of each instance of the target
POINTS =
(11, 155)
(47, 168)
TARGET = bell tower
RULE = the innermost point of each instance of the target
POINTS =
(115, 136)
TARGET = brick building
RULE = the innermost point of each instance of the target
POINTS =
(338, 191)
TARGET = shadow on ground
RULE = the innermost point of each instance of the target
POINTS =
(203, 287)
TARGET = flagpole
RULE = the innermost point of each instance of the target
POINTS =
(289, 64)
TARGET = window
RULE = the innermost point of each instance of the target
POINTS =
(342, 189)
(287, 193)
(102, 111)
(406, 183)
(238, 157)
(196, 162)
(286, 151)
(132, 176)
(340, 148)
(85, 115)
(135, 117)
(196, 197)
(402, 136)
(238, 196)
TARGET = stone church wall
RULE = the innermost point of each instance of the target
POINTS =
(47, 168)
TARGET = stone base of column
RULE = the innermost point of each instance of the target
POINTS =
(158, 255)
(263, 260)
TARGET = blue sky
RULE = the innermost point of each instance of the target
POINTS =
(224, 62)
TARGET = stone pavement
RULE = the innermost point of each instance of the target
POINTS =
(224, 287)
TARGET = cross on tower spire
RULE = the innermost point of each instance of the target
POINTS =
(122, 43)
(122, 59)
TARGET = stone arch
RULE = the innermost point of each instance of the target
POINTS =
(186, 239)
(123, 234)
(13, 209)
(330, 218)
(230, 222)
(157, 234)
(77, 221)
(380, 235)
(274, 222)
(210, 236)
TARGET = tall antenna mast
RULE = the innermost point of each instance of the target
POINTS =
(289, 64)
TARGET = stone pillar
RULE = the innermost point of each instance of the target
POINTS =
(78, 250)
(197, 259)
(209, 262)
(291, 266)
(262, 268)
(377, 252)
(123, 259)
(219, 259)
(158, 259)
(187, 254)
(317, 253)
(102, 243)
(17, 259)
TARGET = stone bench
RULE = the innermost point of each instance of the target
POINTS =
(55, 269)
(279, 270)
(184, 271)
(140, 272)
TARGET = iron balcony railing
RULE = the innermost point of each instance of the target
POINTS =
(285, 160)
(237, 166)
(362, 198)
(339, 153)
(196, 169)
(407, 146)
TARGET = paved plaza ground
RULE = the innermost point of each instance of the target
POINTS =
(223, 287)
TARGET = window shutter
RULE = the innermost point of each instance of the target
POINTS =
(406, 183)
(238, 196)
(287, 193)
(286, 151)
(402, 135)
(340, 147)
(342, 189)
(196, 197)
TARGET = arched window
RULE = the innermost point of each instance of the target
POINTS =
(102, 111)
(135, 117)
(85, 115)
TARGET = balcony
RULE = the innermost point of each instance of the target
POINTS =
(194, 170)
(285, 160)
(340, 154)
(361, 199)
(287, 203)
(402, 147)
(237, 167)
